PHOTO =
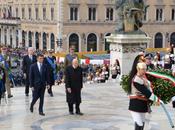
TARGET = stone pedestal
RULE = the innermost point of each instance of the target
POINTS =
(125, 47)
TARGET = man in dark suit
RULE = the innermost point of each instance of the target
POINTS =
(28, 60)
(74, 84)
(38, 81)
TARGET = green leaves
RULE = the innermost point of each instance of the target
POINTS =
(164, 89)
(124, 83)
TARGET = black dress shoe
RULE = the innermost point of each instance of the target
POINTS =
(41, 113)
(10, 96)
(71, 113)
(31, 109)
(27, 94)
(51, 94)
(79, 113)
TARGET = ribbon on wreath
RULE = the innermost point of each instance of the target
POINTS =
(162, 76)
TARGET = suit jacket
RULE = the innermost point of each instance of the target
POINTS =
(74, 81)
(27, 63)
(38, 79)
(74, 77)
(50, 69)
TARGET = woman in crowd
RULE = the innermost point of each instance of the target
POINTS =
(115, 69)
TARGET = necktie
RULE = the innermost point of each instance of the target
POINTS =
(40, 68)
(30, 58)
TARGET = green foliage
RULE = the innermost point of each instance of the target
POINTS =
(162, 88)
(124, 83)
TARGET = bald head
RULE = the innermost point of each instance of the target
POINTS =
(75, 63)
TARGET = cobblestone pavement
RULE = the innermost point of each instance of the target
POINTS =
(105, 107)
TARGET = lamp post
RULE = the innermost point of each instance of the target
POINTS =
(59, 44)
(60, 25)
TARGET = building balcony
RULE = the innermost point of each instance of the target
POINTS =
(13, 21)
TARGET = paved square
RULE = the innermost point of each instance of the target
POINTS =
(105, 107)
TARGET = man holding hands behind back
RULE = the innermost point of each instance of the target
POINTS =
(74, 84)
(38, 81)
(28, 60)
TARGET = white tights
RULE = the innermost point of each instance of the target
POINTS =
(138, 117)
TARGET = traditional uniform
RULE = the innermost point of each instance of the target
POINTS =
(139, 101)
(68, 59)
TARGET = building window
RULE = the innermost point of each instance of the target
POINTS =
(44, 41)
(92, 13)
(109, 14)
(23, 13)
(16, 12)
(145, 14)
(74, 41)
(173, 15)
(92, 42)
(30, 38)
(44, 13)
(74, 13)
(30, 13)
(36, 14)
(158, 43)
(159, 14)
(52, 41)
(52, 13)
(17, 39)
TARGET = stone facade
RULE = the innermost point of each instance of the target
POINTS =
(38, 23)
(47, 24)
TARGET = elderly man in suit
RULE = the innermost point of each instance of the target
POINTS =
(38, 81)
(74, 84)
(28, 60)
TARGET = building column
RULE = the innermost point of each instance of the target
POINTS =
(55, 42)
(8, 36)
(33, 40)
(27, 39)
(19, 37)
(79, 42)
(48, 42)
(14, 37)
(2, 36)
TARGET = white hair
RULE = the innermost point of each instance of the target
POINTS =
(30, 48)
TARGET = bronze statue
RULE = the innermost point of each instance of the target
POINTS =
(129, 15)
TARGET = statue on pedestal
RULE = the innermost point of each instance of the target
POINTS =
(129, 15)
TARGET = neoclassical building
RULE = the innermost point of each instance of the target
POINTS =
(47, 24)
(30, 23)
